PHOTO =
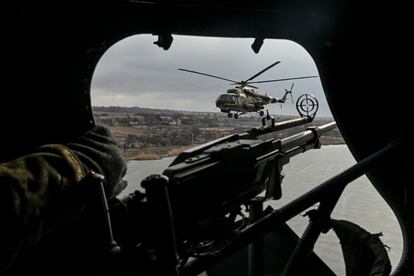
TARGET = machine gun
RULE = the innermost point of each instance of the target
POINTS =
(196, 203)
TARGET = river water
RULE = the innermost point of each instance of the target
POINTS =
(360, 203)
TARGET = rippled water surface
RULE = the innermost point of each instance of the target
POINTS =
(360, 202)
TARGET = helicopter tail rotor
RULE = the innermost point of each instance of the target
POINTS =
(287, 92)
(290, 92)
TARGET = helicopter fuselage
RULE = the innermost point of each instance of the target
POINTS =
(242, 100)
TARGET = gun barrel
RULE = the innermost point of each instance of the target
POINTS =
(280, 126)
(312, 134)
(327, 127)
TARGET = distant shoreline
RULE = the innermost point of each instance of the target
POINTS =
(146, 155)
(155, 153)
(152, 134)
(164, 157)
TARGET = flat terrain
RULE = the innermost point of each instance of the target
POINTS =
(148, 134)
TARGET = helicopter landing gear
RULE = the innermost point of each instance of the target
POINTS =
(268, 118)
(235, 115)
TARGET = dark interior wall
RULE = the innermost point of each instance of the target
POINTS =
(363, 53)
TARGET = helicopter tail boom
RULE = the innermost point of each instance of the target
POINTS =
(283, 99)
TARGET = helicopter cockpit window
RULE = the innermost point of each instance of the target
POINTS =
(227, 99)
(159, 103)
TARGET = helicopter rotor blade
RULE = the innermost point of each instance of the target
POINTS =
(208, 75)
(261, 72)
(297, 78)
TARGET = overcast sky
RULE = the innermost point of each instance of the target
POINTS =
(135, 72)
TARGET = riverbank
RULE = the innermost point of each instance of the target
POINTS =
(154, 153)
(153, 134)
(331, 140)
(157, 153)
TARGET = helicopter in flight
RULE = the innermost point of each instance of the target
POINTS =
(243, 98)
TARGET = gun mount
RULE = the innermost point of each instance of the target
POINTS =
(199, 197)
(212, 180)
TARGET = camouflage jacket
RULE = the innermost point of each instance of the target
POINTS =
(38, 193)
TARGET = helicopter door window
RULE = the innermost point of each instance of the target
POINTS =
(156, 111)
(142, 94)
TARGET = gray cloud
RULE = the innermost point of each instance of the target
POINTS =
(134, 72)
